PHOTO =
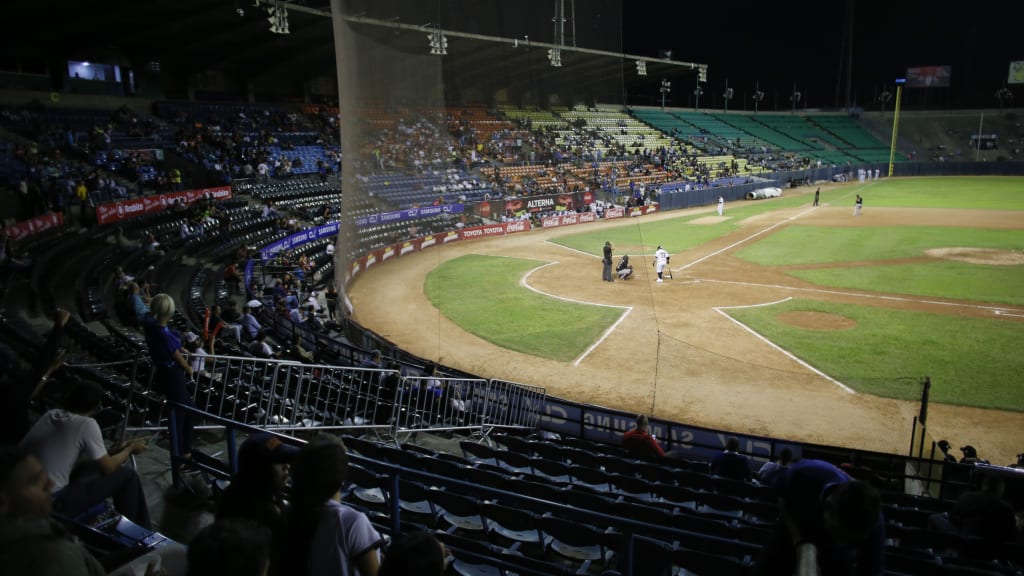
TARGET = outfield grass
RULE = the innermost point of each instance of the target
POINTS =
(797, 245)
(982, 369)
(675, 234)
(483, 296)
(943, 279)
(971, 193)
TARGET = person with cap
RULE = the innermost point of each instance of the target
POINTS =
(624, 269)
(944, 447)
(1020, 462)
(256, 493)
(661, 259)
(981, 515)
(971, 456)
(606, 260)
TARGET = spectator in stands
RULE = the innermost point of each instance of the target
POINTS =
(331, 297)
(729, 463)
(417, 553)
(196, 354)
(311, 321)
(1020, 462)
(325, 535)
(971, 455)
(297, 351)
(139, 308)
(30, 541)
(858, 470)
(640, 442)
(250, 326)
(233, 277)
(771, 470)
(256, 493)
(829, 524)
(230, 548)
(260, 348)
(63, 437)
(980, 514)
(217, 322)
(172, 370)
(372, 361)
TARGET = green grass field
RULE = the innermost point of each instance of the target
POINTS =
(482, 294)
(979, 370)
(972, 361)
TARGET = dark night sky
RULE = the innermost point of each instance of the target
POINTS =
(779, 43)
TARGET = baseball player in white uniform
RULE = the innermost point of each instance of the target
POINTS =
(660, 261)
(721, 205)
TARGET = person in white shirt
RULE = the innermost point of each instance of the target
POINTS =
(721, 205)
(62, 438)
(661, 259)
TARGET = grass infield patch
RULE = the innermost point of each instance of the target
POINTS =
(483, 296)
(888, 350)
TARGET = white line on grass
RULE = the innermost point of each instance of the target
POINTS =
(994, 309)
(721, 310)
(1001, 312)
(742, 240)
(604, 335)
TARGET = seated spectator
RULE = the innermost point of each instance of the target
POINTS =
(829, 524)
(770, 471)
(30, 541)
(417, 553)
(217, 323)
(139, 308)
(729, 463)
(374, 360)
(944, 447)
(325, 535)
(311, 321)
(640, 442)
(298, 352)
(230, 548)
(260, 348)
(233, 277)
(193, 344)
(256, 493)
(1020, 462)
(980, 514)
(860, 471)
(63, 437)
(250, 326)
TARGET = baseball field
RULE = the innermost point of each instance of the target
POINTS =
(780, 319)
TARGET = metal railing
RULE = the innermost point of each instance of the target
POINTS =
(283, 395)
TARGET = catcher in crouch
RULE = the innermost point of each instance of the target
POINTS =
(624, 269)
(661, 260)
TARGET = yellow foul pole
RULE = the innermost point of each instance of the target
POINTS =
(895, 123)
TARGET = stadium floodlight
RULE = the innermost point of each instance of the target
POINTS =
(795, 97)
(438, 43)
(278, 18)
(641, 68)
(555, 57)
(666, 87)
(1003, 95)
(702, 74)
(697, 92)
(758, 95)
(727, 95)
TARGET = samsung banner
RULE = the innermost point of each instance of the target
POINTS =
(300, 238)
(410, 214)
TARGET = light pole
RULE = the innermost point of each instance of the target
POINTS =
(666, 87)
(758, 95)
(795, 97)
(697, 92)
(884, 98)
(727, 95)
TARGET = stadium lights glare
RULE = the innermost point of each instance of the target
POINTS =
(555, 56)
(666, 87)
(641, 68)
(278, 18)
(438, 43)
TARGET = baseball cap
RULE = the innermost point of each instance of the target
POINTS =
(968, 450)
(262, 450)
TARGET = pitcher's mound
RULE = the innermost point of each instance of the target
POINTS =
(990, 256)
(817, 320)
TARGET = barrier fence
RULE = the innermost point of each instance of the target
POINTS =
(283, 395)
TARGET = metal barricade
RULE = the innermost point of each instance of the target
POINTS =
(285, 395)
(442, 404)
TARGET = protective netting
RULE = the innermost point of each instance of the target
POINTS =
(437, 99)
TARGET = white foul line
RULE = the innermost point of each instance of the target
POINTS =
(720, 310)
(604, 335)
(742, 240)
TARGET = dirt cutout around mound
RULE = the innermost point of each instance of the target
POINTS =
(987, 256)
(817, 320)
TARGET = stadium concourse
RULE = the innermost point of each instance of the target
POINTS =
(503, 487)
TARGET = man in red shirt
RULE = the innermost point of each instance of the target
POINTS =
(640, 442)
